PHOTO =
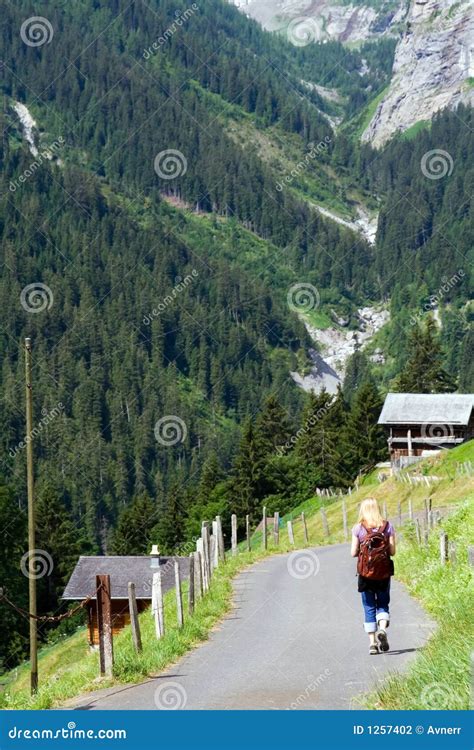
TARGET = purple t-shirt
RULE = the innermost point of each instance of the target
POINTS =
(359, 531)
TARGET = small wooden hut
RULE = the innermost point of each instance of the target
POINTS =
(421, 423)
(122, 570)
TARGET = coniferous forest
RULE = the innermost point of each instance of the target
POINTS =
(162, 336)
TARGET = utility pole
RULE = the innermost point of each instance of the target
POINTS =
(31, 521)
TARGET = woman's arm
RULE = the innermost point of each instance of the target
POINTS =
(391, 541)
(355, 546)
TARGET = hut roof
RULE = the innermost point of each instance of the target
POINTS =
(432, 408)
(122, 570)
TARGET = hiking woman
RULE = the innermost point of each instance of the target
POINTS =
(373, 543)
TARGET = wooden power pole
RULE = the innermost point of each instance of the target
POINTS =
(31, 521)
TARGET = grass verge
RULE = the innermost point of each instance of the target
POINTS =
(440, 678)
(69, 668)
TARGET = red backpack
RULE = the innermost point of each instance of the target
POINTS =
(374, 554)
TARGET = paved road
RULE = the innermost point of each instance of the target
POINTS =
(290, 642)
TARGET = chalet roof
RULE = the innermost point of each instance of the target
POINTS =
(122, 570)
(431, 408)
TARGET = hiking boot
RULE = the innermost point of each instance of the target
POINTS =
(382, 640)
(374, 649)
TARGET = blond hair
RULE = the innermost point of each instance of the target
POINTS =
(369, 513)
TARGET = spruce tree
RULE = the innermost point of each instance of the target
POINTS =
(423, 371)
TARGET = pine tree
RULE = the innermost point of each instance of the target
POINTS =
(423, 371)
(133, 532)
(365, 439)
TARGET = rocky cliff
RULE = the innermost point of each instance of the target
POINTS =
(433, 67)
(318, 20)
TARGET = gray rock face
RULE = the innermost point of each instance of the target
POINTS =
(320, 20)
(434, 61)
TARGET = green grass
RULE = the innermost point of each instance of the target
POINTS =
(69, 668)
(440, 678)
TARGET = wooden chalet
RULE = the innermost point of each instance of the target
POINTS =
(138, 569)
(422, 423)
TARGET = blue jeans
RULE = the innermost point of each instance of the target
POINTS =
(376, 607)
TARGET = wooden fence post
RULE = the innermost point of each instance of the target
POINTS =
(418, 531)
(220, 540)
(305, 528)
(264, 529)
(410, 509)
(234, 534)
(198, 588)
(157, 607)
(399, 513)
(443, 547)
(344, 519)
(206, 545)
(325, 522)
(104, 620)
(134, 622)
(247, 532)
(452, 553)
(276, 528)
(204, 578)
(214, 547)
(191, 585)
(291, 537)
(179, 597)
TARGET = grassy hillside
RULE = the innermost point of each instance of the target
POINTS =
(68, 668)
